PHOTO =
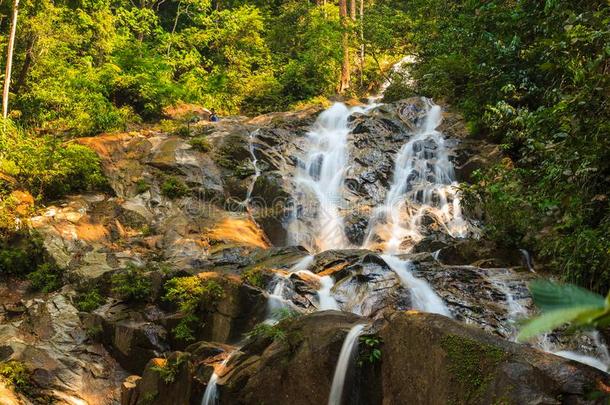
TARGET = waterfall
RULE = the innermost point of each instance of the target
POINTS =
(210, 396)
(348, 351)
(327, 301)
(317, 222)
(423, 185)
(254, 160)
(276, 300)
(422, 295)
(527, 259)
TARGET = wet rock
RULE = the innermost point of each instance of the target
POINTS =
(299, 369)
(428, 358)
(480, 252)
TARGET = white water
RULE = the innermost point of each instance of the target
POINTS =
(327, 301)
(320, 179)
(257, 170)
(302, 264)
(527, 259)
(348, 351)
(276, 301)
(423, 184)
(210, 396)
(422, 295)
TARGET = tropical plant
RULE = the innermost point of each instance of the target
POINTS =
(562, 304)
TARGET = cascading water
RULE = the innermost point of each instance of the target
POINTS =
(317, 222)
(423, 184)
(422, 295)
(257, 170)
(327, 301)
(348, 351)
(210, 396)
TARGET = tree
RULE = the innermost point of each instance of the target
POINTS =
(9, 60)
(345, 67)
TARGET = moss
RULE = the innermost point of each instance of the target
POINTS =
(471, 364)
(142, 186)
(254, 276)
(173, 187)
(201, 144)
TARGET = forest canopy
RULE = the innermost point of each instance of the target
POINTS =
(532, 76)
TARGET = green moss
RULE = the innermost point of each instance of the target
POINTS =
(173, 187)
(131, 284)
(89, 301)
(254, 277)
(142, 186)
(201, 144)
(472, 364)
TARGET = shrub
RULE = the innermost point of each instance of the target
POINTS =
(131, 284)
(45, 166)
(188, 293)
(20, 252)
(173, 187)
(46, 278)
(201, 143)
(276, 331)
(170, 368)
(142, 186)
(17, 374)
(370, 349)
(89, 301)
(254, 277)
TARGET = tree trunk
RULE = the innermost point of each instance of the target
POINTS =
(361, 43)
(345, 68)
(9, 60)
(27, 63)
(352, 12)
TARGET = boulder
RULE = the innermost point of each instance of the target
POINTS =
(165, 381)
(429, 358)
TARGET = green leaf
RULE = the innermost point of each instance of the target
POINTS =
(549, 296)
(553, 319)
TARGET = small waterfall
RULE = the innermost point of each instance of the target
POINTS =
(276, 301)
(423, 185)
(423, 296)
(210, 396)
(348, 352)
(327, 301)
(527, 259)
(317, 222)
(257, 170)
(302, 264)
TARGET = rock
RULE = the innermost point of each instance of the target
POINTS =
(64, 363)
(131, 336)
(165, 381)
(428, 358)
(297, 370)
(479, 252)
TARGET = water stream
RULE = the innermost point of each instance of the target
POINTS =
(317, 222)
(348, 352)
(423, 185)
(254, 159)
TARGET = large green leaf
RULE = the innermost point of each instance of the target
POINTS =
(549, 296)
(554, 319)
